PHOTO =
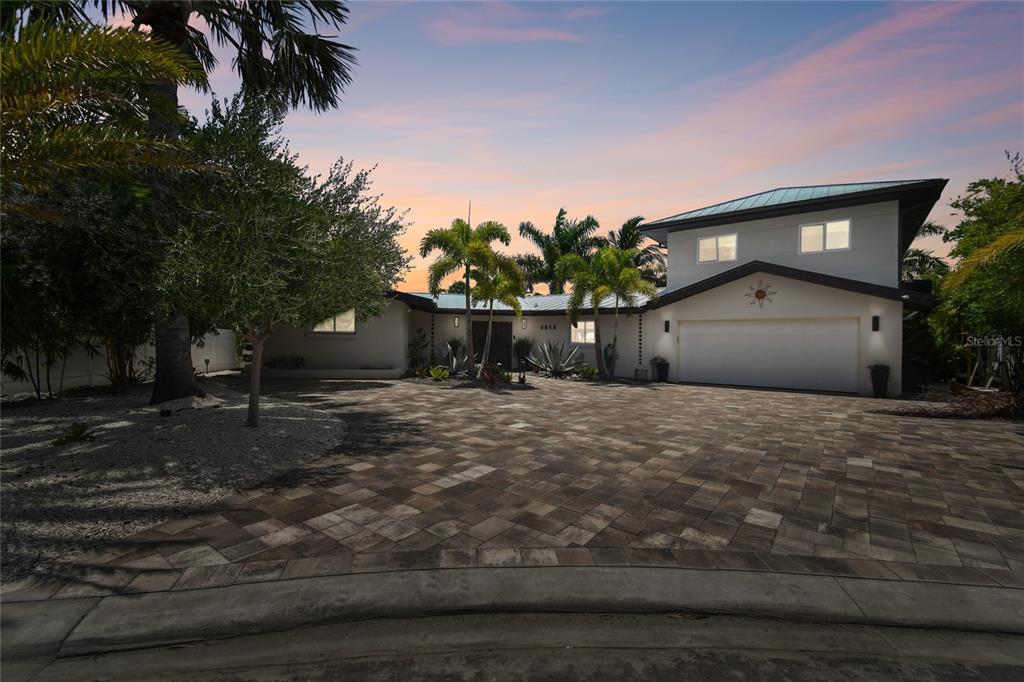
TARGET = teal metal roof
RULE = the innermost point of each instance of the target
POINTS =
(782, 196)
(548, 303)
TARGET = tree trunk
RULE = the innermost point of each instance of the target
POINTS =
(470, 358)
(602, 371)
(174, 376)
(255, 370)
(487, 339)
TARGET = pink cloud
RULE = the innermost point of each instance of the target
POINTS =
(454, 32)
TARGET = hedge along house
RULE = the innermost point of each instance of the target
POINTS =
(796, 287)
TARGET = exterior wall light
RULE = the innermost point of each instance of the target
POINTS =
(666, 326)
(876, 323)
(456, 320)
(524, 323)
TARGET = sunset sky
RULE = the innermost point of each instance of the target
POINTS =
(622, 109)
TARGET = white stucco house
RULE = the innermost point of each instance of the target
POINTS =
(796, 287)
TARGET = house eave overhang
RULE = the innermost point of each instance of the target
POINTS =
(915, 299)
(915, 203)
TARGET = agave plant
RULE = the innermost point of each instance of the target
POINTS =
(521, 349)
(456, 357)
(552, 359)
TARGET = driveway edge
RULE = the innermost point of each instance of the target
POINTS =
(124, 622)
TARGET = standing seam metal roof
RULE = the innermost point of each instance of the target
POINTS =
(782, 195)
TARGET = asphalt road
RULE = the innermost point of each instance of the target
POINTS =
(556, 647)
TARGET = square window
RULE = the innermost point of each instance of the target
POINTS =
(582, 332)
(812, 238)
(837, 234)
(342, 323)
(714, 249)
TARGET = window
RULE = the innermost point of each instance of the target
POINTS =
(714, 249)
(582, 332)
(343, 323)
(829, 236)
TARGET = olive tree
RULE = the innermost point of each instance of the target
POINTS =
(266, 245)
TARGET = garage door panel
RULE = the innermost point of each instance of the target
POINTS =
(816, 354)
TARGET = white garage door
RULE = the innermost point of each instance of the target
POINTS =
(815, 354)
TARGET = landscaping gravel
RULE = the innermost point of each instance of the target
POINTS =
(139, 468)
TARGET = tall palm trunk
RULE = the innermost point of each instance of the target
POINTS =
(602, 371)
(487, 339)
(470, 358)
(174, 376)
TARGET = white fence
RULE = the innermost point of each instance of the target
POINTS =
(83, 370)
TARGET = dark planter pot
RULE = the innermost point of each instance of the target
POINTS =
(880, 380)
(661, 372)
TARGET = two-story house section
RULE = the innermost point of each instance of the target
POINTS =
(791, 288)
(796, 287)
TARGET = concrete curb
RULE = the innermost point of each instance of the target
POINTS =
(124, 622)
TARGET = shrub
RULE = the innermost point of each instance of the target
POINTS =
(78, 432)
(506, 377)
(521, 349)
(490, 373)
(586, 372)
(440, 373)
(552, 359)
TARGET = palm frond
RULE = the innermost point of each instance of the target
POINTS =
(1005, 245)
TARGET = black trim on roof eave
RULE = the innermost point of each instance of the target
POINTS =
(838, 201)
(914, 298)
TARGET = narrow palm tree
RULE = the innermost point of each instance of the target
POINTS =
(649, 259)
(1004, 245)
(567, 236)
(462, 249)
(278, 50)
(501, 281)
(78, 97)
(611, 273)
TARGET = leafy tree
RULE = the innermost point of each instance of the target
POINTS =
(982, 295)
(78, 98)
(610, 273)
(920, 263)
(462, 248)
(81, 277)
(266, 246)
(650, 259)
(457, 287)
(279, 51)
(498, 280)
(567, 237)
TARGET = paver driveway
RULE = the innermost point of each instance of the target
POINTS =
(576, 474)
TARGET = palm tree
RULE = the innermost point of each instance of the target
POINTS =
(278, 51)
(462, 249)
(77, 98)
(1004, 245)
(502, 281)
(609, 273)
(649, 259)
(567, 236)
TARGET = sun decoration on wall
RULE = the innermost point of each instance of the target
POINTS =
(760, 294)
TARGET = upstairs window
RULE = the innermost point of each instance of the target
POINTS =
(831, 236)
(343, 323)
(715, 249)
(582, 332)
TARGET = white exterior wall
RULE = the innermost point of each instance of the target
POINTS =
(379, 344)
(873, 255)
(83, 370)
(795, 299)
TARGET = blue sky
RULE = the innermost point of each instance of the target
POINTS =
(622, 109)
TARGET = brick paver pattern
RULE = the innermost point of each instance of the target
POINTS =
(571, 473)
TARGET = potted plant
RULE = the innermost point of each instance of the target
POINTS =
(879, 379)
(660, 368)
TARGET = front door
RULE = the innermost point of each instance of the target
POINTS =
(501, 341)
